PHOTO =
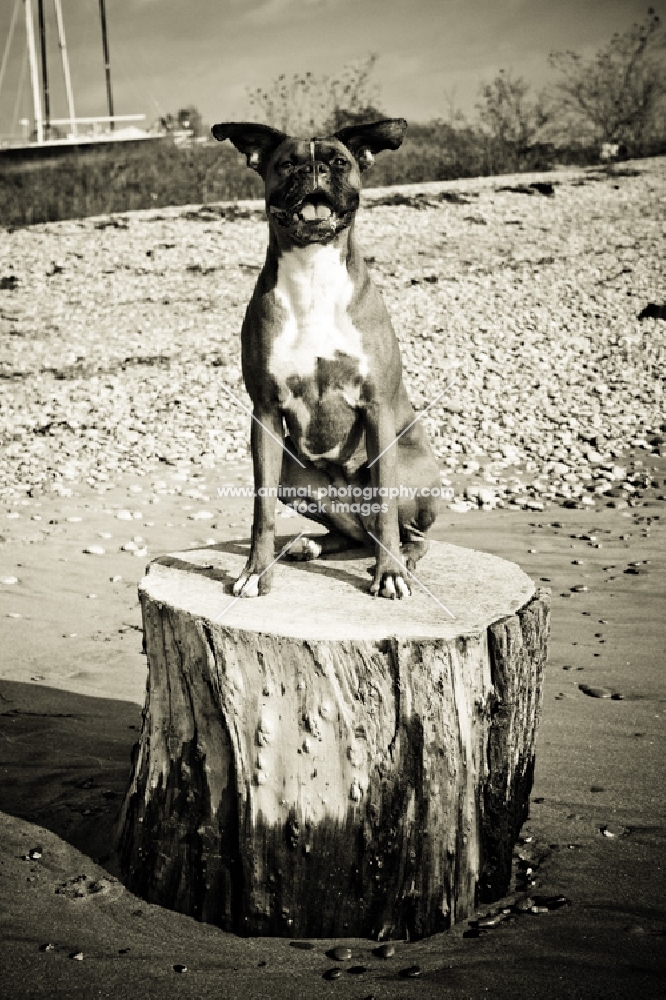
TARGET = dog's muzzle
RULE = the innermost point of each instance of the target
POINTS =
(314, 219)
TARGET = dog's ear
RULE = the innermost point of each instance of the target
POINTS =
(256, 142)
(366, 140)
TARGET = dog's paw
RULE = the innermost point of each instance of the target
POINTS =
(304, 550)
(251, 584)
(247, 585)
(391, 586)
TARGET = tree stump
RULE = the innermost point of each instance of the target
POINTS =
(320, 763)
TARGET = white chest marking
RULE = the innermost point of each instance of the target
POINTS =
(314, 290)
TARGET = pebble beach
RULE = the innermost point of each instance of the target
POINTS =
(119, 336)
(123, 421)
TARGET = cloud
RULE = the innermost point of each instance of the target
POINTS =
(272, 10)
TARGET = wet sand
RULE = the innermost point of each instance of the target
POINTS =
(71, 687)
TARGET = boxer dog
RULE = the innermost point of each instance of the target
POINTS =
(320, 356)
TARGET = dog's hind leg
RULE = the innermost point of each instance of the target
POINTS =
(307, 490)
(314, 546)
(413, 544)
(418, 470)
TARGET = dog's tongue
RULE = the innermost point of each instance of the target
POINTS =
(311, 211)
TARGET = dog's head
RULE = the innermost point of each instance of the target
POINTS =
(312, 185)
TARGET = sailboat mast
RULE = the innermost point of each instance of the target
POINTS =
(65, 65)
(32, 57)
(107, 67)
(45, 71)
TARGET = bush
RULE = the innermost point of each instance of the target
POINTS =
(154, 175)
(123, 179)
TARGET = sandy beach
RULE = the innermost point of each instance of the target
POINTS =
(87, 501)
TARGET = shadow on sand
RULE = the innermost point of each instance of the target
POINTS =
(66, 763)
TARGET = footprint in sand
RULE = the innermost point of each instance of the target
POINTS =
(84, 887)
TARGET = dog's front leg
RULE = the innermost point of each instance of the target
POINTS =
(389, 580)
(267, 436)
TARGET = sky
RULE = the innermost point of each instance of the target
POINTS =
(432, 54)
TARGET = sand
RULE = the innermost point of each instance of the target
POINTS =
(71, 687)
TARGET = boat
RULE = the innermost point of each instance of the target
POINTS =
(53, 139)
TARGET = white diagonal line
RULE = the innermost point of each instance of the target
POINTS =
(420, 583)
(417, 417)
(261, 424)
(259, 576)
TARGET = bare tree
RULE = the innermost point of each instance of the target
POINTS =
(305, 103)
(508, 115)
(455, 116)
(617, 95)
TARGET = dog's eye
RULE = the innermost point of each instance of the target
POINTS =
(339, 161)
(285, 165)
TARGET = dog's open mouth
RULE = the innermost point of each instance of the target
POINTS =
(312, 219)
(314, 208)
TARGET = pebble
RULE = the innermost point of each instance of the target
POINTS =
(77, 956)
(331, 974)
(9, 581)
(340, 953)
(13, 614)
(411, 972)
(180, 968)
(95, 550)
(384, 951)
(115, 579)
(524, 905)
(460, 507)
(47, 947)
(552, 902)
(595, 692)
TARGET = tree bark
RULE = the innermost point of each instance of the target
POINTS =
(320, 763)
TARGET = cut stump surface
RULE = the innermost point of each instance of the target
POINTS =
(317, 762)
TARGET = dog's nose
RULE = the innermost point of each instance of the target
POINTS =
(316, 167)
(317, 174)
